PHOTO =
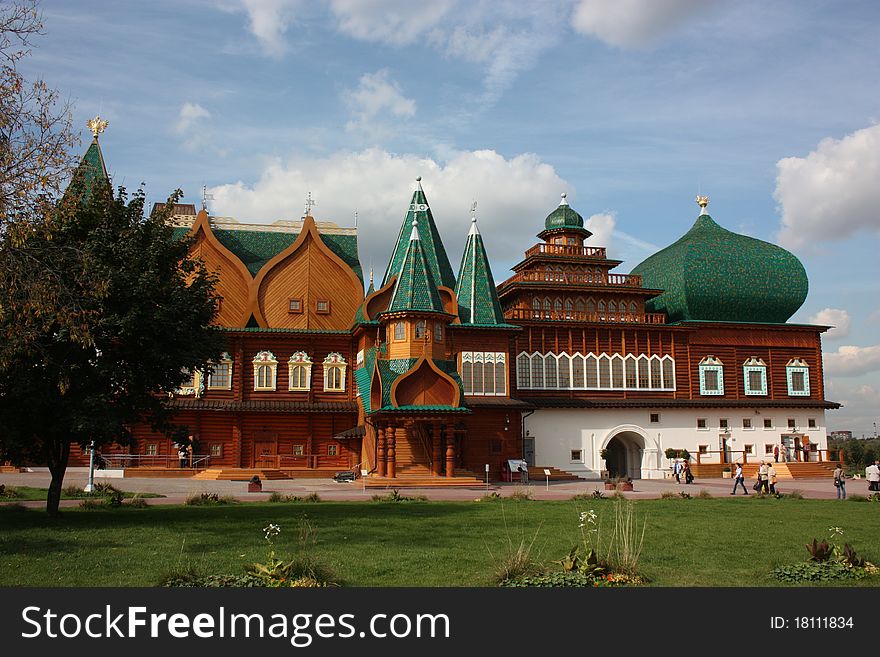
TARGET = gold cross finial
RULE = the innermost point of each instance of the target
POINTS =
(702, 201)
(310, 203)
(97, 125)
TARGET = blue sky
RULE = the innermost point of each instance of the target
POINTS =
(631, 107)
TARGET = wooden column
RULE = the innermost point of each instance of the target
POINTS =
(380, 452)
(237, 447)
(392, 464)
(436, 451)
(450, 455)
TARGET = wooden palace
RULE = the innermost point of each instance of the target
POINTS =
(434, 375)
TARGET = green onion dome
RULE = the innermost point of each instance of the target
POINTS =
(714, 274)
(566, 217)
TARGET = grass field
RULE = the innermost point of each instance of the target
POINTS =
(697, 542)
(25, 493)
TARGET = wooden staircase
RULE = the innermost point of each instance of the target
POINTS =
(787, 470)
(536, 473)
(240, 474)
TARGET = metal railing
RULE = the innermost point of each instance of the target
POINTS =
(741, 456)
(594, 279)
(122, 461)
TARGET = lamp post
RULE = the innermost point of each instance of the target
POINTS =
(90, 487)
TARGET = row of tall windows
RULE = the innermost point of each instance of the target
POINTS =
(592, 372)
(484, 373)
(797, 374)
(568, 306)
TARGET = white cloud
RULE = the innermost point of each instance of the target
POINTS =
(831, 193)
(514, 196)
(190, 114)
(632, 23)
(396, 22)
(268, 21)
(375, 96)
(602, 227)
(850, 360)
(835, 317)
(860, 403)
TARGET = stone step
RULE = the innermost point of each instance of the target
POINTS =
(240, 474)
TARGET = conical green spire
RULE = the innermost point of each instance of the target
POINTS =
(90, 172)
(432, 245)
(477, 299)
(415, 288)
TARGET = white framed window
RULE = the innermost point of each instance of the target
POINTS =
(749, 449)
(152, 449)
(332, 450)
(711, 376)
(747, 424)
(576, 456)
(797, 374)
(298, 449)
(334, 372)
(265, 370)
(722, 424)
(220, 376)
(484, 373)
(768, 424)
(755, 376)
(421, 329)
(217, 450)
(768, 449)
(654, 418)
(811, 423)
(299, 372)
(792, 423)
(702, 424)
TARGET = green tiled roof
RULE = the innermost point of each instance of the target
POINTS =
(256, 247)
(435, 254)
(89, 172)
(477, 298)
(714, 274)
(389, 372)
(261, 329)
(415, 288)
(359, 316)
(565, 216)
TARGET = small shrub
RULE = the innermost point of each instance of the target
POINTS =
(794, 495)
(704, 494)
(857, 498)
(875, 497)
(314, 497)
(104, 488)
(91, 504)
(684, 496)
(9, 492)
(813, 571)
(489, 497)
(617, 495)
(208, 499)
(72, 491)
(668, 495)
(395, 496)
(136, 502)
(521, 494)
(277, 497)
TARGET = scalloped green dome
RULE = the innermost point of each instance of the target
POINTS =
(714, 274)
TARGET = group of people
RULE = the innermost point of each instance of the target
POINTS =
(765, 483)
(872, 474)
(681, 468)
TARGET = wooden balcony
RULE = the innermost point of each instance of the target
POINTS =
(597, 252)
(575, 278)
(514, 314)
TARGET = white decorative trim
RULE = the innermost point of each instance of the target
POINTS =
(755, 365)
(596, 372)
(334, 363)
(265, 359)
(226, 360)
(299, 359)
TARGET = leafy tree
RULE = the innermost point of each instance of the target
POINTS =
(139, 312)
(35, 124)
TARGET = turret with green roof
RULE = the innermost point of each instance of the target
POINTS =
(564, 219)
(415, 288)
(477, 298)
(432, 246)
(91, 170)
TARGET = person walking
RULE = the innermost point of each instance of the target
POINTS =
(182, 455)
(776, 454)
(676, 469)
(688, 475)
(771, 476)
(840, 482)
(763, 479)
(872, 474)
(739, 480)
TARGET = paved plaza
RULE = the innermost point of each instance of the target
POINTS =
(177, 489)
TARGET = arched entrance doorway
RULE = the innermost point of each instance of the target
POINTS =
(624, 456)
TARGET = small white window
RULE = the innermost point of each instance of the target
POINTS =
(217, 450)
(722, 424)
(220, 377)
(768, 423)
(701, 423)
(747, 424)
(811, 423)
(576, 455)
(334, 372)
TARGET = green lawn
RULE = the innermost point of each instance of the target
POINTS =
(25, 493)
(698, 542)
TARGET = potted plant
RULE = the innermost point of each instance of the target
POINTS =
(624, 483)
(671, 453)
(726, 473)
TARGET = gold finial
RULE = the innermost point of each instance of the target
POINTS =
(702, 201)
(97, 125)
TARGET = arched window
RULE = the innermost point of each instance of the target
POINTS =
(537, 371)
(523, 374)
(644, 372)
(569, 309)
(220, 376)
(668, 373)
(265, 369)
(438, 332)
(536, 307)
(797, 374)
(564, 370)
(579, 306)
(421, 327)
(477, 387)
(755, 376)
(299, 372)
(334, 372)
(591, 306)
(711, 376)
(577, 372)
(617, 371)
(500, 373)
(632, 379)
(557, 305)
(612, 307)
(656, 378)
(604, 371)
(550, 379)
(467, 371)
(592, 371)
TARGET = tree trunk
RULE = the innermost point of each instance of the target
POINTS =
(58, 456)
